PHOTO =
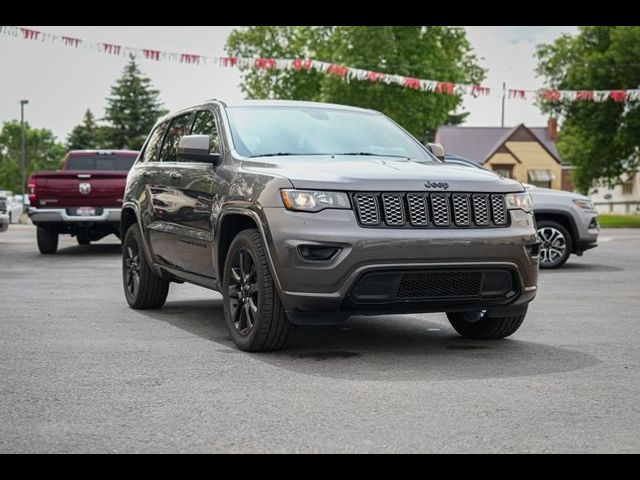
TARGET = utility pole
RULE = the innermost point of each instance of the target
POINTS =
(23, 148)
(504, 101)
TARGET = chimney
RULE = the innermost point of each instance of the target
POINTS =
(553, 129)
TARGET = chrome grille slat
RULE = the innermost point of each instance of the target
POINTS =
(368, 210)
(418, 210)
(481, 215)
(441, 210)
(431, 210)
(499, 209)
(393, 207)
(461, 210)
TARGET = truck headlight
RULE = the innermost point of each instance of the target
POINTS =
(520, 201)
(584, 204)
(310, 201)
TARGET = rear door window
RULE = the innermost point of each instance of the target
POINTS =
(178, 129)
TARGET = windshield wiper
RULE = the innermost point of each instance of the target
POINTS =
(281, 154)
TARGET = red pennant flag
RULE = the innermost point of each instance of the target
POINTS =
(29, 34)
(71, 41)
(375, 76)
(619, 96)
(111, 49)
(152, 55)
(412, 83)
(446, 87)
(584, 95)
(551, 95)
(266, 63)
(299, 64)
(190, 59)
(229, 61)
(338, 70)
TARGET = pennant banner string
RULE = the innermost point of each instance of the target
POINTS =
(339, 71)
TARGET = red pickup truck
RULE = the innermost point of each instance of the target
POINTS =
(83, 199)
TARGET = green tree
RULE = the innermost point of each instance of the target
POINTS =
(88, 135)
(601, 139)
(133, 108)
(43, 151)
(440, 53)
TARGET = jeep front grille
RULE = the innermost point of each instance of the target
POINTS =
(424, 210)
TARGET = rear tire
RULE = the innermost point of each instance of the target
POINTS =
(253, 310)
(47, 241)
(143, 289)
(476, 325)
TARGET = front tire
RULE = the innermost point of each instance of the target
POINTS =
(253, 311)
(47, 241)
(479, 326)
(556, 244)
(143, 289)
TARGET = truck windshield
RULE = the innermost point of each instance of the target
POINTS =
(101, 163)
(287, 131)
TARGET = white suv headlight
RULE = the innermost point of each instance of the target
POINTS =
(310, 201)
(584, 204)
(520, 201)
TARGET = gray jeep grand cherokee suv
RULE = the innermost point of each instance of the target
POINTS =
(307, 214)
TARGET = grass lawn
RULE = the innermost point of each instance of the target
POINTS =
(620, 221)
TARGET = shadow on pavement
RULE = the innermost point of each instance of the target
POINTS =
(391, 348)
(87, 250)
(583, 267)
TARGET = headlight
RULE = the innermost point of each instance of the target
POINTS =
(307, 201)
(520, 201)
(584, 204)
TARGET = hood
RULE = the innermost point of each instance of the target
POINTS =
(362, 174)
(549, 193)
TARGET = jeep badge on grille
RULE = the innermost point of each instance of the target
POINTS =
(437, 185)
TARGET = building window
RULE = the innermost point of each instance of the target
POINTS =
(505, 171)
(628, 186)
(541, 178)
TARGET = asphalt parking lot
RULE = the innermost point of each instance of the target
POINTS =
(83, 373)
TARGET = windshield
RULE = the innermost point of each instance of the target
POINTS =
(276, 131)
(101, 163)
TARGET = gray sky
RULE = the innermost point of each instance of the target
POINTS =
(62, 83)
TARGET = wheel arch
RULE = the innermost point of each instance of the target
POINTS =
(231, 223)
(563, 219)
(131, 216)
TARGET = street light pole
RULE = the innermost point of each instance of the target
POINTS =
(23, 148)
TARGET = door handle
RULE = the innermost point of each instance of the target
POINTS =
(147, 174)
(176, 175)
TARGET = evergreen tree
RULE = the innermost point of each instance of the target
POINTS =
(133, 108)
(88, 135)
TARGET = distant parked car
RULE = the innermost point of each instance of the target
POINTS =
(16, 208)
(567, 222)
(4, 218)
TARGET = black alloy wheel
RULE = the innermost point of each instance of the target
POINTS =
(244, 292)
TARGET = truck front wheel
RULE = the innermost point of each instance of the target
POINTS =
(480, 325)
(47, 241)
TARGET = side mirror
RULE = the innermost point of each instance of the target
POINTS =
(197, 148)
(437, 150)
